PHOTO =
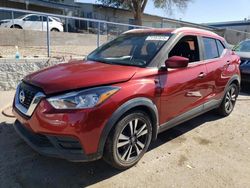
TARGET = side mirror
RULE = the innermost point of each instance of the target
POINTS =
(177, 62)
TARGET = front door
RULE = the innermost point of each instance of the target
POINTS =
(183, 89)
(32, 22)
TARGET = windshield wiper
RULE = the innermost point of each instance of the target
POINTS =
(115, 62)
(119, 58)
(99, 60)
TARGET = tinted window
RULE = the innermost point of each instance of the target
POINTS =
(220, 47)
(32, 18)
(45, 19)
(210, 48)
(187, 47)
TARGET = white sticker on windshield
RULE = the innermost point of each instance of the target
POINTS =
(158, 38)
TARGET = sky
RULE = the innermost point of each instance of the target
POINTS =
(204, 11)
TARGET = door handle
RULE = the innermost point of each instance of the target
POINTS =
(201, 75)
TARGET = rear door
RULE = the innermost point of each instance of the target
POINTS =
(217, 61)
(184, 89)
(44, 23)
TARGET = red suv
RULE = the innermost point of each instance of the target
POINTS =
(116, 101)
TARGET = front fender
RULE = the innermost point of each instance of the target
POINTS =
(133, 103)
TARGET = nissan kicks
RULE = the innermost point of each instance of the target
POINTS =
(114, 103)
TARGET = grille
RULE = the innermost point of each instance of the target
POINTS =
(29, 92)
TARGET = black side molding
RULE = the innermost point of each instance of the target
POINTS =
(133, 103)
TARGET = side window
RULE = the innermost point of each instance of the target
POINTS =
(32, 18)
(210, 48)
(220, 47)
(187, 47)
(44, 18)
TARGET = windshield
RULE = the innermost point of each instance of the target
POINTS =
(21, 17)
(243, 46)
(130, 49)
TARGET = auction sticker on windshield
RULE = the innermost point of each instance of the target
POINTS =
(157, 38)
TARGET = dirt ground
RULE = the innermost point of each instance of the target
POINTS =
(207, 151)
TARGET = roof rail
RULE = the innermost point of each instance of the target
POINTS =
(178, 30)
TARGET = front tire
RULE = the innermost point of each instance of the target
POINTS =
(229, 100)
(129, 140)
(16, 27)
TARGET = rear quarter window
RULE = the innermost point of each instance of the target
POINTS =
(220, 46)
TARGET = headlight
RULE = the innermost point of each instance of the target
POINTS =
(83, 99)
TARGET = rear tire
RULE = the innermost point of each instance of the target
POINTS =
(129, 140)
(229, 100)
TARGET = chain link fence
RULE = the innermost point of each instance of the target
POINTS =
(29, 34)
(36, 34)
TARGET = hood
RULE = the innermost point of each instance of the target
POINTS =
(10, 20)
(79, 74)
(6, 20)
(244, 55)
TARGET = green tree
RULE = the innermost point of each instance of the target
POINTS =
(137, 7)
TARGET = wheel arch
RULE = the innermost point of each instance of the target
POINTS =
(233, 80)
(54, 28)
(16, 25)
(236, 82)
(140, 103)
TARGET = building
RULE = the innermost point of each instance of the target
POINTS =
(51, 6)
(243, 25)
(233, 31)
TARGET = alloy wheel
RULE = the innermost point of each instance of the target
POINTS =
(230, 99)
(132, 140)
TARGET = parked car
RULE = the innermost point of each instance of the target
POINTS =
(243, 50)
(33, 22)
(114, 103)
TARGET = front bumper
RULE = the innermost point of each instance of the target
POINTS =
(63, 147)
(43, 127)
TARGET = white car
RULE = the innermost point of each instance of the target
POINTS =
(33, 22)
